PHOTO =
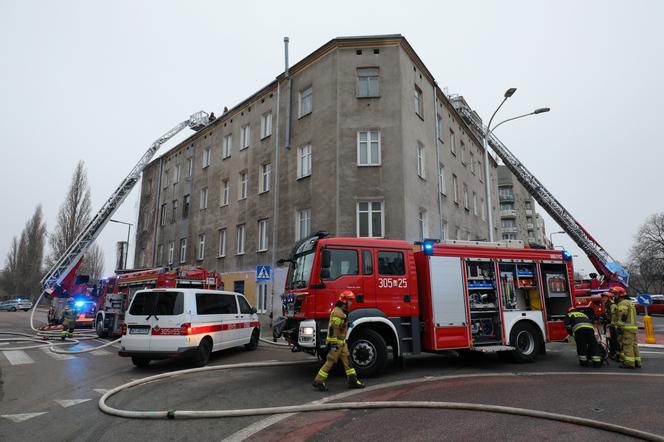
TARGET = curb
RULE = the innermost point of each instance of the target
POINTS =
(651, 345)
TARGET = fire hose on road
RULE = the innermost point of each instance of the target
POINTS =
(319, 406)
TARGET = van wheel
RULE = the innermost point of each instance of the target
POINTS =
(368, 352)
(13, 309)
(253, 342)
(99, 327)
(526, 340)
(203, 354)
(140, 362)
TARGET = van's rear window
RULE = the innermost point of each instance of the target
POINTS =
(157, 303)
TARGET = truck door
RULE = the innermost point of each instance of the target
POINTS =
(339, 271)
(367, 297)
(393, 291)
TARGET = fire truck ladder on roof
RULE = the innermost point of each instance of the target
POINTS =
(77, 249)
(599, 257)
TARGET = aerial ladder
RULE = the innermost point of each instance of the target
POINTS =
(611, 270)
(64, 268)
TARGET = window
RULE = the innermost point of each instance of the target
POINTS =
(158, 304)
(190, 166)
(439, 127)
(176, 174)
(165, 178)
(507, 223)
(421, 160)
(183, 250)
(475, 203)
(239, 242)
(455, 188)
(245, 136)
(261, 301)
(370, 219)
(171, 250)
(342, 262)
(228, 146)
(305, 101)
(215, 304)
(238, 286)
(266, 125)
(445, 230)
(480, 170)
(262, 235)
(419, 104)
(423, 223)
(225, 191)
(472, 163)
(452, 141)
(185, 206)
(222, 243)
(509, 235)
(367, 262)
(466, 201)
(457, 233)
(201, 247)
(160, 254)
(304, 161)
(302, 224)
(482, 207)
(163, 215)
(204, 198)
(265, 172)
(368, 148)
(206, 158)
(367, 82)
(244, 180)
(441, 179)
(391, 263)
(174, 217)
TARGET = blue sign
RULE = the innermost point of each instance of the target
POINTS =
(644, 299)
(263, 273)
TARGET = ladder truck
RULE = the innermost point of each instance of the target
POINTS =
(612, 273)
(60, 278)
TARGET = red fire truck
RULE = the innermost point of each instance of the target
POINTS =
(116, 292)
(458, 295)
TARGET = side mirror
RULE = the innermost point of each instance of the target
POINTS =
(326, 259)
(325, 273)
(253, 310)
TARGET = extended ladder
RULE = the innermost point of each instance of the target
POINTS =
(599, 257)
(77, 249)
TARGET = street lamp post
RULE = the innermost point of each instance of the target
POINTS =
(554, 233)
(128, 234)
(487, 185)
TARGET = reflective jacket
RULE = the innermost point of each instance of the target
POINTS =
(336, 330)
(626, 315)
(576, 320)
(68, 314)
(609, 313)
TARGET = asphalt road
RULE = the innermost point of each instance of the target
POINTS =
(65, 392)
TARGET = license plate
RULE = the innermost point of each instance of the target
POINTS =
(139, 331)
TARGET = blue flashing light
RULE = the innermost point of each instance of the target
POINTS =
(428, 248)
(79, 303)
(567, 256)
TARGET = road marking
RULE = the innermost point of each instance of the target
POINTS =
(18, 357)
(100, 352)
(66, 403)
(4, 343)
(58, 356)
(101, 391)
(22, 417)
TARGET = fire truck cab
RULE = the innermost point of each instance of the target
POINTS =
(460, 295)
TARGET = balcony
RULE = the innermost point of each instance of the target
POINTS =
(509, 213)
(529, 212)
(509, 229)
(530, 226)
(505, 196)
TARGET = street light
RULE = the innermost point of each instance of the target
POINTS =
(128, 233)
(554, 233)
(508, 93)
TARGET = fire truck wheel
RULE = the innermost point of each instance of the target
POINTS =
(203, 354)
(140, 362)
(253, 342)
(99, 327)
(368, 352)
(526, 340)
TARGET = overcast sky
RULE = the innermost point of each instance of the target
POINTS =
(99, 81)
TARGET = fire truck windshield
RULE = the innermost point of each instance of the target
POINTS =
(301, 270)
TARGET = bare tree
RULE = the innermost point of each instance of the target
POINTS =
(10, 271)
(646, 262)
(93, 263)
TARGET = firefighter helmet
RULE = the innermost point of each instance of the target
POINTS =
(346, 296)
(618, 291)
(607, 294)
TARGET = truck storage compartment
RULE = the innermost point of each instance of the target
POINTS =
(485, 321)
(557, 297)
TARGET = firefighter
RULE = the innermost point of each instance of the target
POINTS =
(609, 322)
(337, 349)
(626, 320)
(581, 327)
(68, 319)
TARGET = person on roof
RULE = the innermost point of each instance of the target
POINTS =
(337, 349)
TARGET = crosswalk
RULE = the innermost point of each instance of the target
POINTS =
(22, 357)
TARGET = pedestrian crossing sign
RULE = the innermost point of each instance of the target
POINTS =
(263, 273)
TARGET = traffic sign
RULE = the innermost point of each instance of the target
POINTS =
(263, 273)
(644, 299)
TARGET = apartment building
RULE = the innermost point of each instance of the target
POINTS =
(518, 216)
(356, 139)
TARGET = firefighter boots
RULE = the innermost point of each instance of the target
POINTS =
(320, 386)
(354, 382)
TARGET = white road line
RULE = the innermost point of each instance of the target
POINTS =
(18, 357)
(4, 343)
(66, 403)
(101, 391)
(100, 352)
(58, 356)
(22, 417)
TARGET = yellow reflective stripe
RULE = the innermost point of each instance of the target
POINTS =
(630, 359)
(630, 327)
(336, 321)
(323, 374)
(597, 359)
(578, 326)
(350, 372)
(637, 358)
(334, 341)
(583, 358)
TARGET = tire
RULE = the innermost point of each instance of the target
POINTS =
(253, 342)
(368, 352)
(203, 353)
(99, 328)
(527, 342)
(140, 362)
(13, 309)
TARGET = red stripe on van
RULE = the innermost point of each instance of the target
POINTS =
(202, 329)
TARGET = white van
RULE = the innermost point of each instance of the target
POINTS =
(177, 322)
